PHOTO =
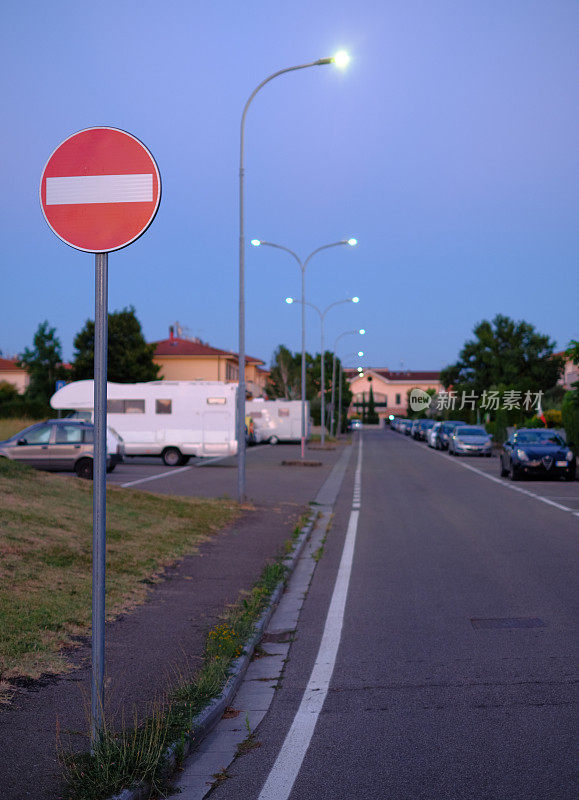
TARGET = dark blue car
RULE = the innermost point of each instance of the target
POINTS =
(531, 451)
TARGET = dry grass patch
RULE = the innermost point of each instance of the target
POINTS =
(8, 427)
(46, 558)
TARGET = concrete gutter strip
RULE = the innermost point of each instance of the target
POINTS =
(208, 718)
(205, 721)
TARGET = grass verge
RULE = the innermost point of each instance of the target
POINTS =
(10, 426)
(139, 755)
(46, 558)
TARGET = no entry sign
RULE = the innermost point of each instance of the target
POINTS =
(100, 190)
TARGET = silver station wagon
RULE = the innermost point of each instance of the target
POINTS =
(61, 445)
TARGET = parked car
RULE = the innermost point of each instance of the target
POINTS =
(532, 451)
(467, 441)
(422, 429)
(61, 445)
(408, 423)
(432, 434)
(445, 432)
(414, 428)
(355, 425)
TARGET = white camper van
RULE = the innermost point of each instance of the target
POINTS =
(171, 419)
(278, 420)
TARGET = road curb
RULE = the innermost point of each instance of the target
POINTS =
(208, 718)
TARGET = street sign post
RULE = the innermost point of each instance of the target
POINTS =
(100, 191)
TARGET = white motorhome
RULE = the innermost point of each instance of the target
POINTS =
(278, 420)
(171, 419)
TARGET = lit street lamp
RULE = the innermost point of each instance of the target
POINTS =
(341, 60)
(322, 314)
(340, 380)
(361, 331)
(302, 265)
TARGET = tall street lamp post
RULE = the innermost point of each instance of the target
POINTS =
(361, 331)
(302, 265)
(323, 375)
(341, 378)
(341, 59)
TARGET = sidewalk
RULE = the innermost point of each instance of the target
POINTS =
(150, 649)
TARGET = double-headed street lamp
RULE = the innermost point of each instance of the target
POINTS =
(360, 331)
(302, 265)
(341, 60)
(322, 314)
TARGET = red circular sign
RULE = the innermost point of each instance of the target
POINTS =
(100, 190)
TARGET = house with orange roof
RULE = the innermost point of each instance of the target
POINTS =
(11, 373)
(390, 389)
(182, 359)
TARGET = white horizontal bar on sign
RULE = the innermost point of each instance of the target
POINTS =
(99, 189)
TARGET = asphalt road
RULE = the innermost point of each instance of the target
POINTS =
(455, 673)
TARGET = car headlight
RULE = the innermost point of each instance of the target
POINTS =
(569, 455)
(522, 456)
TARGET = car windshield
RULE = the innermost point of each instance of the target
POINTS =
(539, 437)
(427, 423)
(450, 426)
(471, 432)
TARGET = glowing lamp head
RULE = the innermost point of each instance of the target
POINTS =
(341, 59)
(256, 242)
(360, 369)
(352, 242)
(289, 300)
(355, 299)
(360, 353)
(362, 331)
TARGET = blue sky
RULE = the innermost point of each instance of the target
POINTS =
(448, 148)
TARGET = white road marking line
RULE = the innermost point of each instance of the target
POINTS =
(81, 189)
(288, 763)
(167, 474)
(212, 460)
(501, 482)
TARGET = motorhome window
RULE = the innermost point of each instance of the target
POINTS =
(283, 412)
(256, 414)
(163, 406)
(126, 406)
(216, 401)
(134, 406)
(89, 435)
(116, 406)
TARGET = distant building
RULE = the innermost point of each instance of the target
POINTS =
(11, 373)
(390, 389)
(183, 359)
(570, 372)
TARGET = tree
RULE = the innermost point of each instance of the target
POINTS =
(507, 353)
(130, 358)
(43, 363)
(285, 375)
(371, 417)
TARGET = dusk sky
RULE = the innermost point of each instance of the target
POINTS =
(448, 148)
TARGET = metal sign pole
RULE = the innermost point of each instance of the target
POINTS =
(99, 495)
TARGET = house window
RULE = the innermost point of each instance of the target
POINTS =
(256, 414)
(283, 412)
(163, 406)
(231, 372)
(397, 399)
